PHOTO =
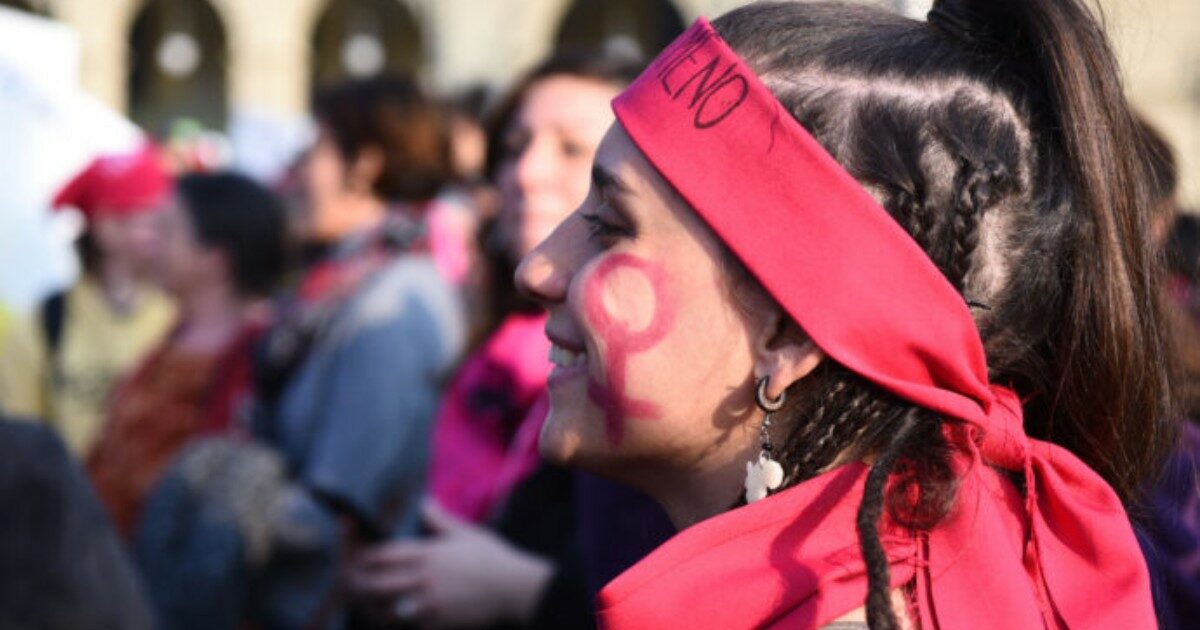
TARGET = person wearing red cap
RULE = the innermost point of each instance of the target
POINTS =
(869, 305)
(62, 366)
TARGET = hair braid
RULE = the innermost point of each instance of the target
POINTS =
(964, 224)
(880, 615)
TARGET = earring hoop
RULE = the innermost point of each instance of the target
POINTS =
(766, 403)
(764, 474)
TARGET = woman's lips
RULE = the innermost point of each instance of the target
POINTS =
(567, 363)
(565, 357)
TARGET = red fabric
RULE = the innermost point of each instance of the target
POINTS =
(873, 301)
(118, 185)
(791, 560)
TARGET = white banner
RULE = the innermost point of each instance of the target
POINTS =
(49, 129)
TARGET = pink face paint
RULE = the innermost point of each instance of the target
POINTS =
(621, 340)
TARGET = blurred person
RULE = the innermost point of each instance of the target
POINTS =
(346, 388)
(1182, 246)
(1162, 179)
(61, 364)
(61, 565)
(544, 137)
(504, 548)
(1170, 529)
(224, 253)
(1171, 525)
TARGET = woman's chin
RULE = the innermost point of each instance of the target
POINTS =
(559, 442)
(572, 437)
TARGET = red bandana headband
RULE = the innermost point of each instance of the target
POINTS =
(865, 292)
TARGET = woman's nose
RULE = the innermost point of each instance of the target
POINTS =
(544, 274)
(535, 165)
(539, 280)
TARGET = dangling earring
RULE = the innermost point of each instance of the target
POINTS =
(765, 474)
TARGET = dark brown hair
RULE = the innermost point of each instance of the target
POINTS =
(581, 63)
(393, 115)
(994, 135)
(242, 219)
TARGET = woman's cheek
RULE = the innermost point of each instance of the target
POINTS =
(629, 307)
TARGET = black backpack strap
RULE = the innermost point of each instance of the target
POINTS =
(54, 316)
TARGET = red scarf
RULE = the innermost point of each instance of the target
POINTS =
(1063, 555)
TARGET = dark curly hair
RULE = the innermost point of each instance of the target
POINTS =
(997, 135)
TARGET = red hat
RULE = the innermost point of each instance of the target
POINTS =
(118, 185)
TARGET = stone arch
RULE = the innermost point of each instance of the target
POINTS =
(362, 38)
(638, 25)
(178, 65)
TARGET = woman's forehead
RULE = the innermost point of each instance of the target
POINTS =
(566, 101)
(648, 195)
(620, 157)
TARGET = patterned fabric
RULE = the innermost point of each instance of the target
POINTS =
(476, 457)
(174, 397)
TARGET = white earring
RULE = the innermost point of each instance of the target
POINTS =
(764, 474)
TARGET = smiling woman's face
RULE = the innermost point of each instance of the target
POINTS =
(548, 150)
(653, 360)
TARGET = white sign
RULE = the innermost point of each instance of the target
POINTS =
(49, 129)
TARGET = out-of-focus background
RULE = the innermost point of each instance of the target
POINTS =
(264, 363)
(238, 73)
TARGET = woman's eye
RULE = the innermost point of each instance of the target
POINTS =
(604, 230)
(574, 149)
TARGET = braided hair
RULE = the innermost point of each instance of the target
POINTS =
(993, 135)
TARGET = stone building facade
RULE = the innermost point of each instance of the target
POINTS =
(264, 55)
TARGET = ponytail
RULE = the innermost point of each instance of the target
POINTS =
(1107, 395)
(999, 137)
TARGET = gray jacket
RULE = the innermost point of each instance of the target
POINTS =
(239, 530)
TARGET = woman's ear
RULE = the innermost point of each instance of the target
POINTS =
(783, 354)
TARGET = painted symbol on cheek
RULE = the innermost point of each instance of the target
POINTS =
(622, 340)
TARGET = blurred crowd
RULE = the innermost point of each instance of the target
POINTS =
(315, 403)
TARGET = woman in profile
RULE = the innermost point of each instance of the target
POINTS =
(868, 305)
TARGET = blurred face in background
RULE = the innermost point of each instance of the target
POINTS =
(133, 241)
(340, 192)
(548, 150)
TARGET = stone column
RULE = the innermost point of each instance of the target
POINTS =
(103, 29)
(269, 52)
(491, 41)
